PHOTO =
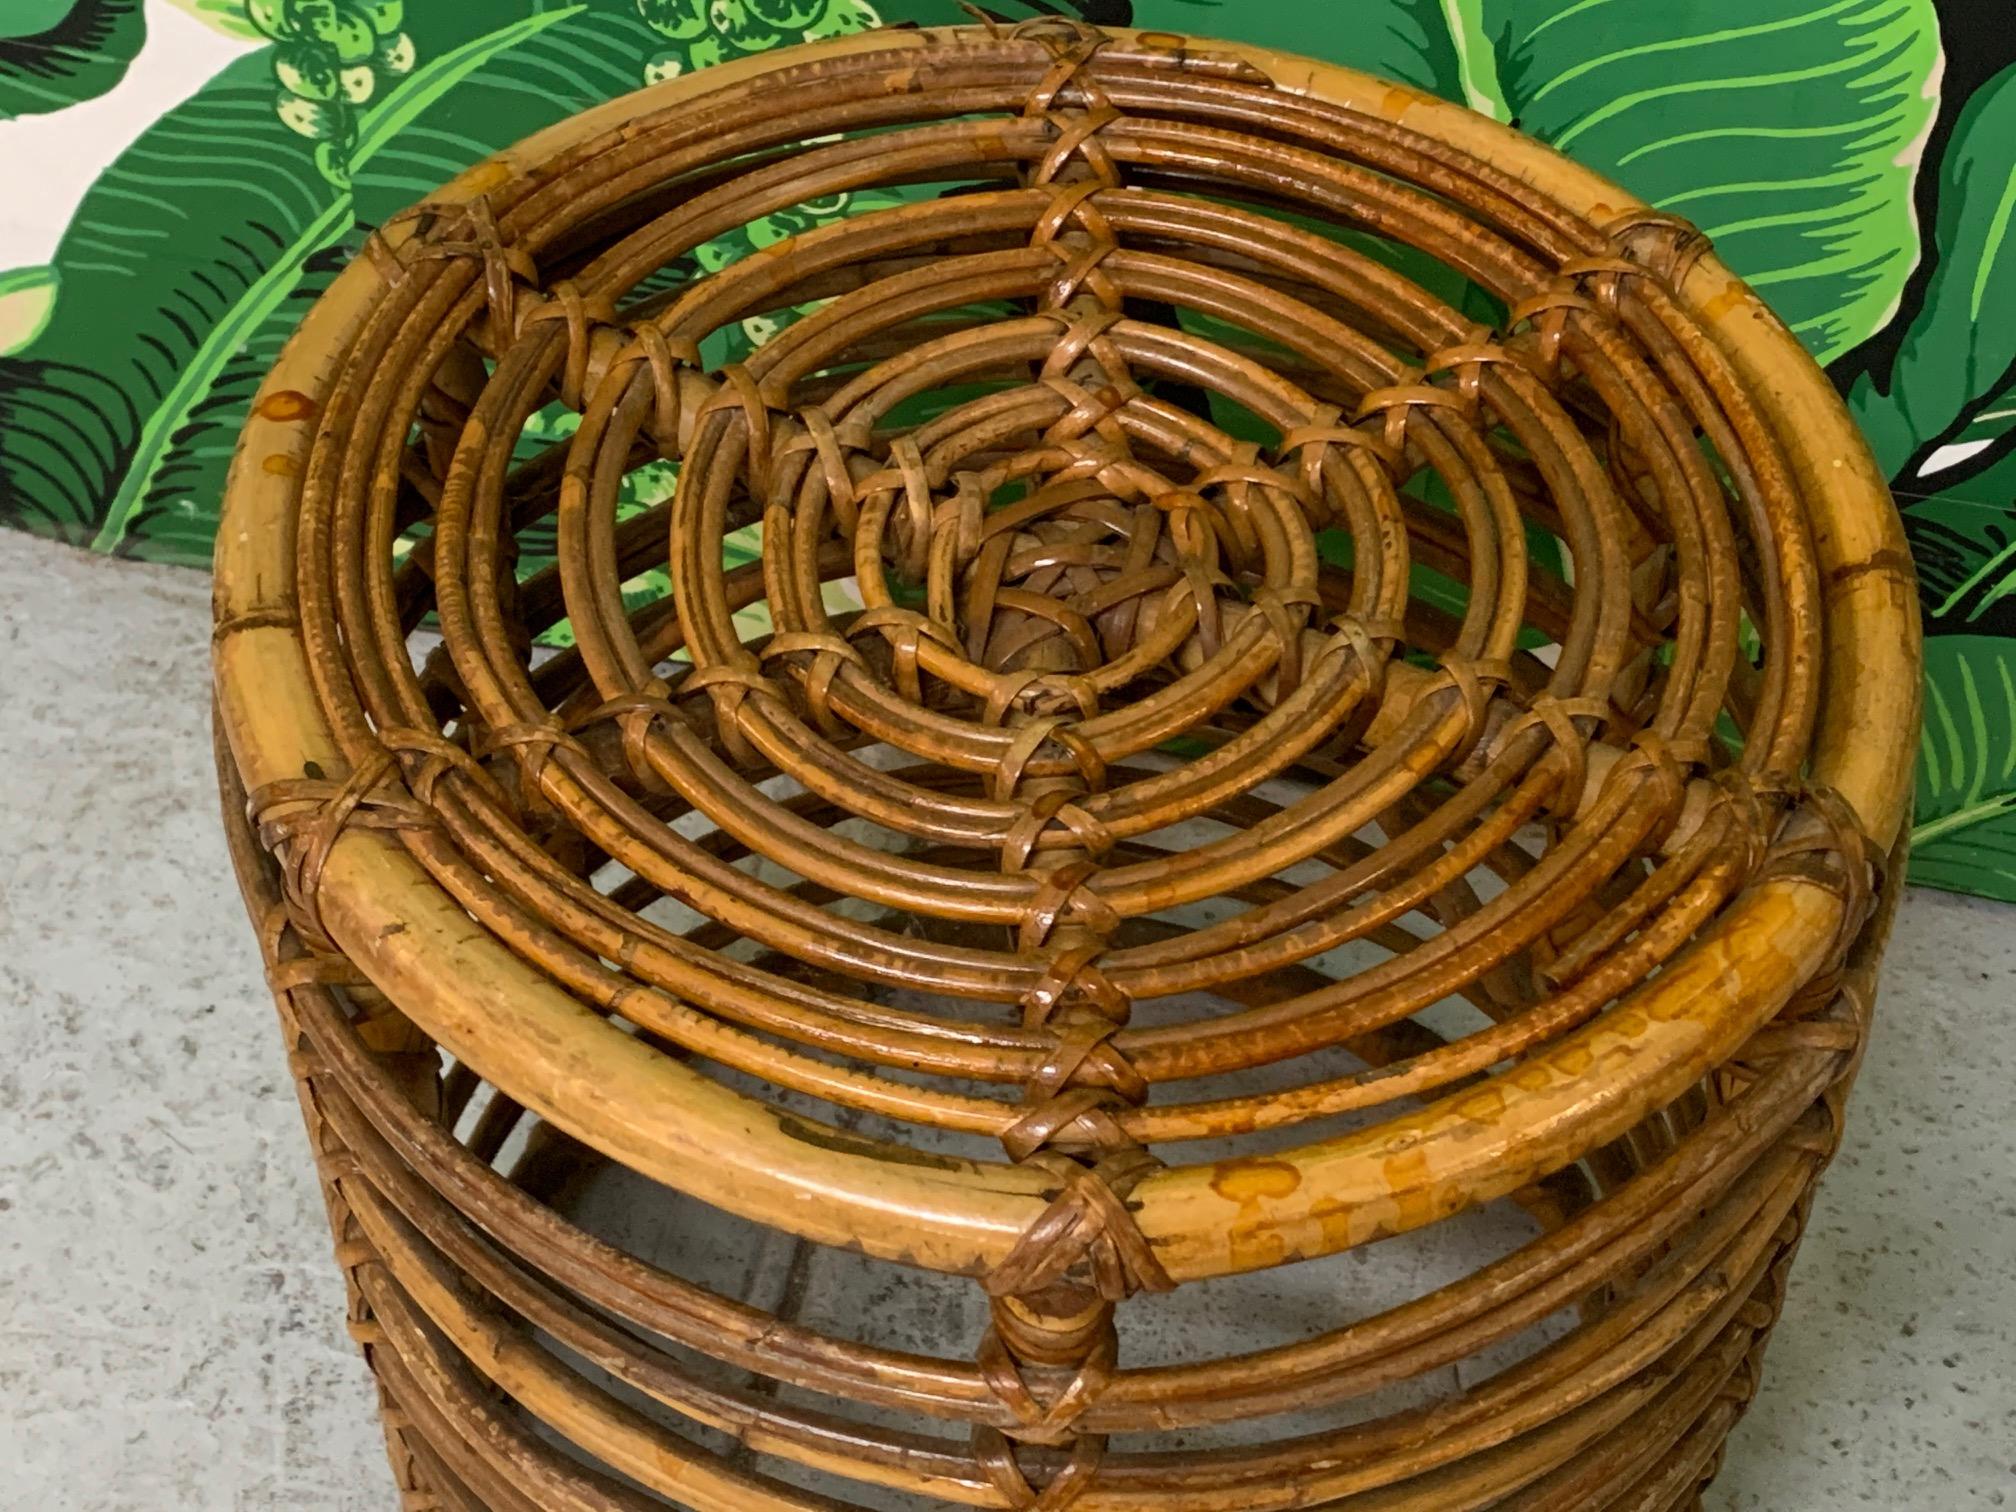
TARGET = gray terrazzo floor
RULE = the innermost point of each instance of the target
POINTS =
(170, 1319)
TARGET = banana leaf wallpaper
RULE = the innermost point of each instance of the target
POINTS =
(179, 179)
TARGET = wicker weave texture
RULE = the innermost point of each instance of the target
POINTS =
(1312, 672)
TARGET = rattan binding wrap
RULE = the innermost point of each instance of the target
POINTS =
(1069, 913)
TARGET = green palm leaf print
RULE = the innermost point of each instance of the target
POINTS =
(122, 440)
(1964, 831)
(55, 53)
(1963, 541)
(1407, 40)
(1954, 377)
(177, 255)
(1788, 130)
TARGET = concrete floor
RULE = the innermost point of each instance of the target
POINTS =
(170, 1330)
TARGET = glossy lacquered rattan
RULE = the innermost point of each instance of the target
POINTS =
(1094, 783)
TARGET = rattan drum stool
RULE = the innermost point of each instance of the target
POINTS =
(1309, 673)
